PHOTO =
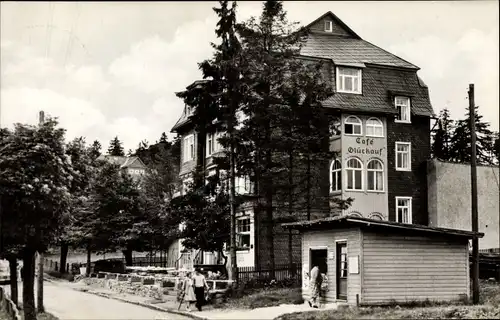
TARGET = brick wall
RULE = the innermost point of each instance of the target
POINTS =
(409, 183)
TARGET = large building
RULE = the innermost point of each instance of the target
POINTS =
(381, 135)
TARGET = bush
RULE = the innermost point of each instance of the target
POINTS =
(260, 298)
(109, 265)
(66, 276)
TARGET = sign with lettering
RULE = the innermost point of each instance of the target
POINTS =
(365, 147)
(368, 151)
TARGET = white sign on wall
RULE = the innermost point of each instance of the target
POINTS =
(305, 277)
(353, 265)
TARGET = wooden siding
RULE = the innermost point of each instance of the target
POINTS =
(398, 268)
(337, 29)
(327, 239)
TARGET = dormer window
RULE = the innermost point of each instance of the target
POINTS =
(349, 80)
(403, 106)
(189, 110)
(328, 26)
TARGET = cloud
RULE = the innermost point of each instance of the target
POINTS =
(449, 65)
(90, 78)
(131, 131)
(22, 104)
(155, 65)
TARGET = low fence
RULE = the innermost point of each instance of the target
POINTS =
(51, 265)
(493, 251)
(289, 275)
(489, 266)
(8, 306)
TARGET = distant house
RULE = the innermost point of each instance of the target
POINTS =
(132, 165)
(450, 199)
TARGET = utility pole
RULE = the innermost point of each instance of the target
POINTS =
(473, 172)
(40, 307)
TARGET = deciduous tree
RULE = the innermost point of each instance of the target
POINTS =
(35, 179)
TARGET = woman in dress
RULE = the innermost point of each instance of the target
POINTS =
(188, 291)
(315, 286)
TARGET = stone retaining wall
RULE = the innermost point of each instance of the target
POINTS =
(146, 286)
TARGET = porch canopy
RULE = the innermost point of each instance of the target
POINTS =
(342, 222)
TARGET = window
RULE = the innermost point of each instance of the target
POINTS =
(348, 80)
(328, 26)
(403, 106)
(403, 209)
(403, 156)
(353, 126)
(189, 110)
(376, 216)
(375, 171)
(243, 232)
(374, 128)
(335, 176)
(354, 174)
(355, 214)
(189, 148)
(212, 143)
(242, 184)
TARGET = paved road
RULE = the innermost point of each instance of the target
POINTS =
(68, 304)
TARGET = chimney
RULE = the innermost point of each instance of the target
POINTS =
(41, 117)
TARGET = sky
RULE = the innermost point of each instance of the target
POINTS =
(110, 69)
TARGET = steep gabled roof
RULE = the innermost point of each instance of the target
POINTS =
(339, 22)
(184, 116)
(343, 45)
(342, 50)
(123, 162)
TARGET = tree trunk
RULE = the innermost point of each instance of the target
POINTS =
(13, 280)
(308, 187)
(89, 252)
(221, 254)
(128, 256)
(64, 257)
(28, 285)
(269, 213)
(290, 203)
(233, 275)
(40, 307)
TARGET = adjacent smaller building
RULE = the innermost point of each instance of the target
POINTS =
(132, 165)
(374, 262)
(450, 199)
